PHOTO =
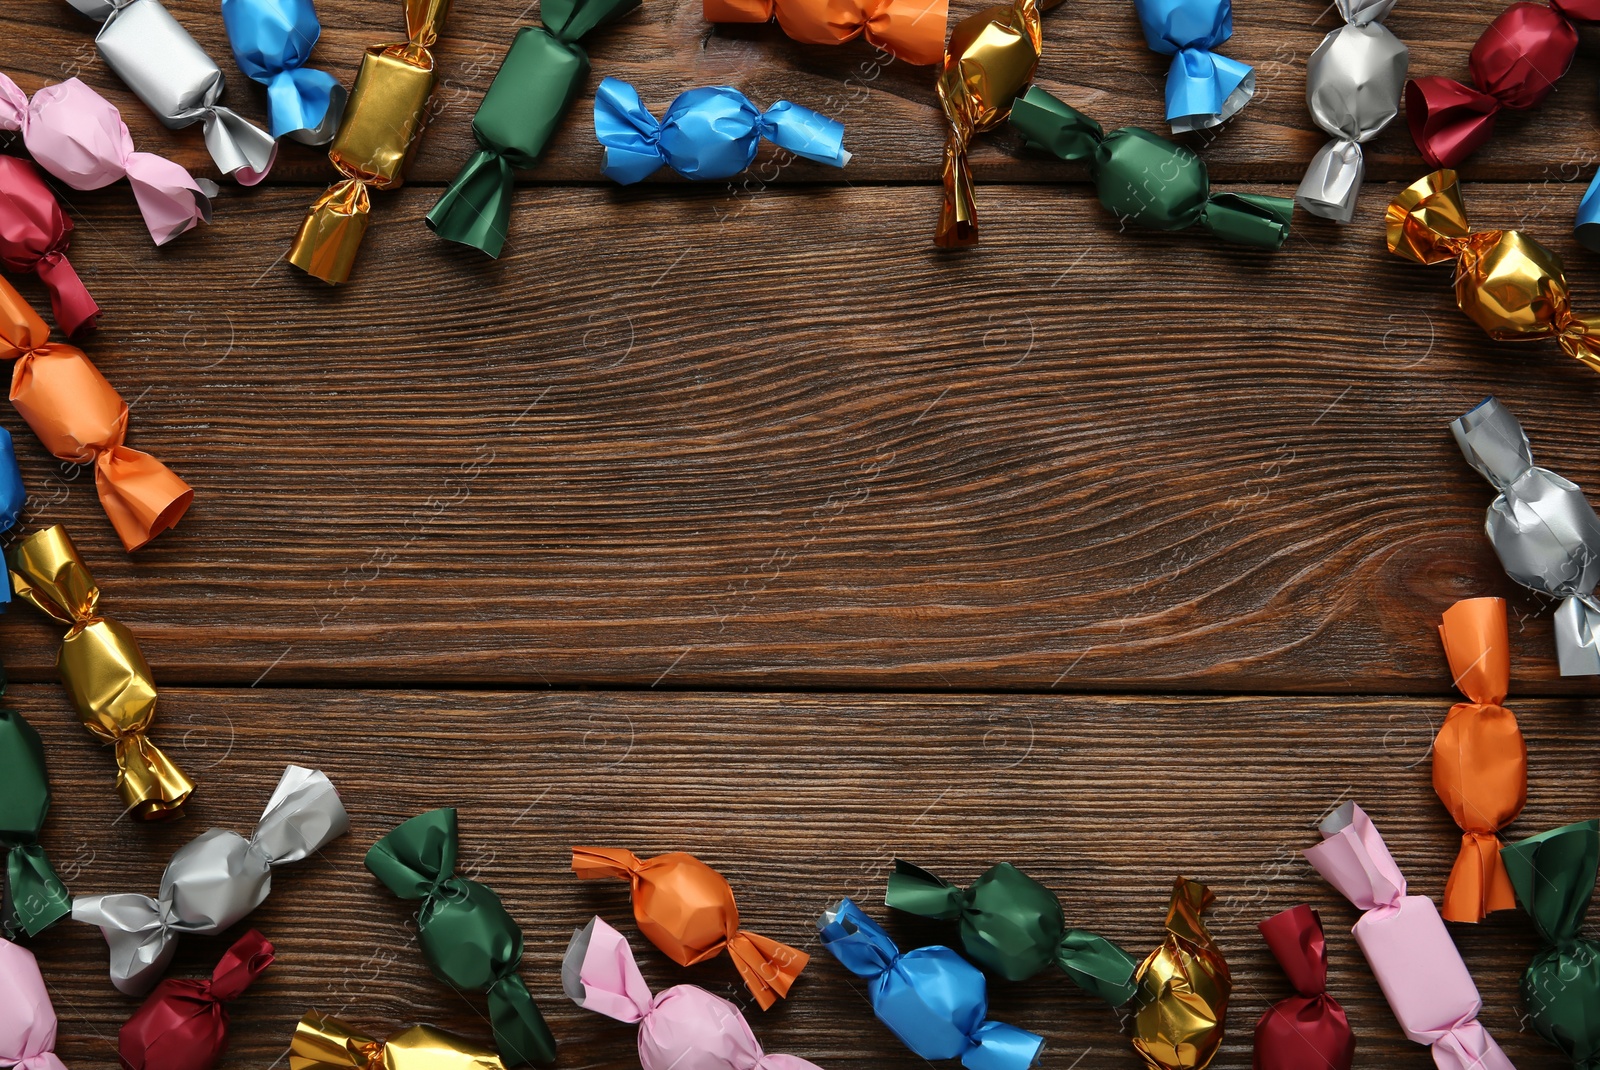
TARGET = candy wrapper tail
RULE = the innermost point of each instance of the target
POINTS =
(271, 42)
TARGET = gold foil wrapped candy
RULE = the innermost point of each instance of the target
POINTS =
(104, 673)
(382, 123)
(1183, 986)
(323, 1042)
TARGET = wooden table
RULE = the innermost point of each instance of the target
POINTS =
(737, 519)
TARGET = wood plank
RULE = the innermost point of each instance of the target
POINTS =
(1095, 58)
(1103, 798)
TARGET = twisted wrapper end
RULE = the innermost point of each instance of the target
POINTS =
(305, 105)
(916, 891)
(520, 1031)
(1364, 12)
(599, 974)
(330, 237)
(1332, 182)
(1427, 222)
(630, 134)
(140, 939)
(1449, 121)
(1253, 219)
(475, 209)
(1205, 90)
(241, 150)
(767, 967)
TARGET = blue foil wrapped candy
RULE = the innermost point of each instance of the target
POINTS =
(934, 1000)
(1203, 88)
(707, 133)
(12, 499)
(272, 42)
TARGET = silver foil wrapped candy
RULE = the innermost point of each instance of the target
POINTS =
(1542, 527)
(1353, 85)
(167, 69)
(214, 880)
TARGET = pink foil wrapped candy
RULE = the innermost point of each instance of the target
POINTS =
(27, 1020)
(79, 136)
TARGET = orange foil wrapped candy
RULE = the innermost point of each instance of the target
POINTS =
(910, 30)
(686, 909)
(1480, 762)
(1181, 1002)
(82, 419)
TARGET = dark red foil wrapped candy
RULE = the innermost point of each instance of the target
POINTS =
(1309, 1029)
(183, 1024)
(34, 235)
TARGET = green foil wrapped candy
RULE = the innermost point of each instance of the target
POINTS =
(1553, 875)
(1013, 926)
(34, 896)
(535, 86)
(1144, 178)
(468, 939)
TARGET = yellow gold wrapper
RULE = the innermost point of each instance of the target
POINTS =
(332, 231)
(104, 674)
(323, 1042)
(1181, 1001)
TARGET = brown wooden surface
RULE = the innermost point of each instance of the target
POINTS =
(736, 519)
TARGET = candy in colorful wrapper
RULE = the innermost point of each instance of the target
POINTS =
(468, 939)
(1181, 999)
(13, 498)
(167, 69)
(272, 42)
(1516, 63)
(1480, 762)
(34, 897)
(708, 133)
(105, 676)
(79, 137)
(80, 418)
(686, 909)
(1203, 88)
(934, 1000)
(214, 880)
(685, 1026)
(1353, 84)
(909, 30)
(1013, 926)
(27, 1020)
(34, 235)
(1121, 161)
(183, 1024)
(530, 94)
(323, 1042)
(1309, 1028)
(1406, 945)
(1543, 529)
(377, 136)
(1554, 874)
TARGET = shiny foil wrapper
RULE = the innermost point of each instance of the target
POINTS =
(909, 30)
(13, 498)
(1480, 762)
(272, 42)
(80, 418)
(686, 909)
(1203, 88)
(167, 69)
(1014, 927)
(1122, 162)
(1181, 1000)
(103, 672)
(1507, 283)
(27, 1018)
(323, 1042)
(683, 1027)
(214, 880)
(34, 236)
(1542, 528)
(382, 125)
(183, 1024)
(1554, 876)
(468, 939)
(934, 1000)
(1309, 1028)
(1406, 944)
(32, 897)
(1353, 85)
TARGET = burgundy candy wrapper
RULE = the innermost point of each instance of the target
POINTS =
(1309, 1028)
(183, 1025)
(34, 235)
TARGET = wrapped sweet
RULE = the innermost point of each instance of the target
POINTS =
(909, 30)
(183, 1024)
(1122, 161)
(1480, 762)
(530, 94)
(1406, 944)
(272, 42)
(1542, 528)
(105, 676)
(1013, 926)
(167, 69)
(79, 137)
(934, 1000)
(323, 1042)
(685, 1026)
(1203, 88)
(1554, 874)
(708, 133)
(378, 134)
(686, 909)
(13, 498)
(34, 235)
(1353, 84)
(1181, 999)
(1518, 60)
(80, 418)
(468, 939)
(27, 1020)
(214, 880)
(34, 897)
(1308, 1028)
